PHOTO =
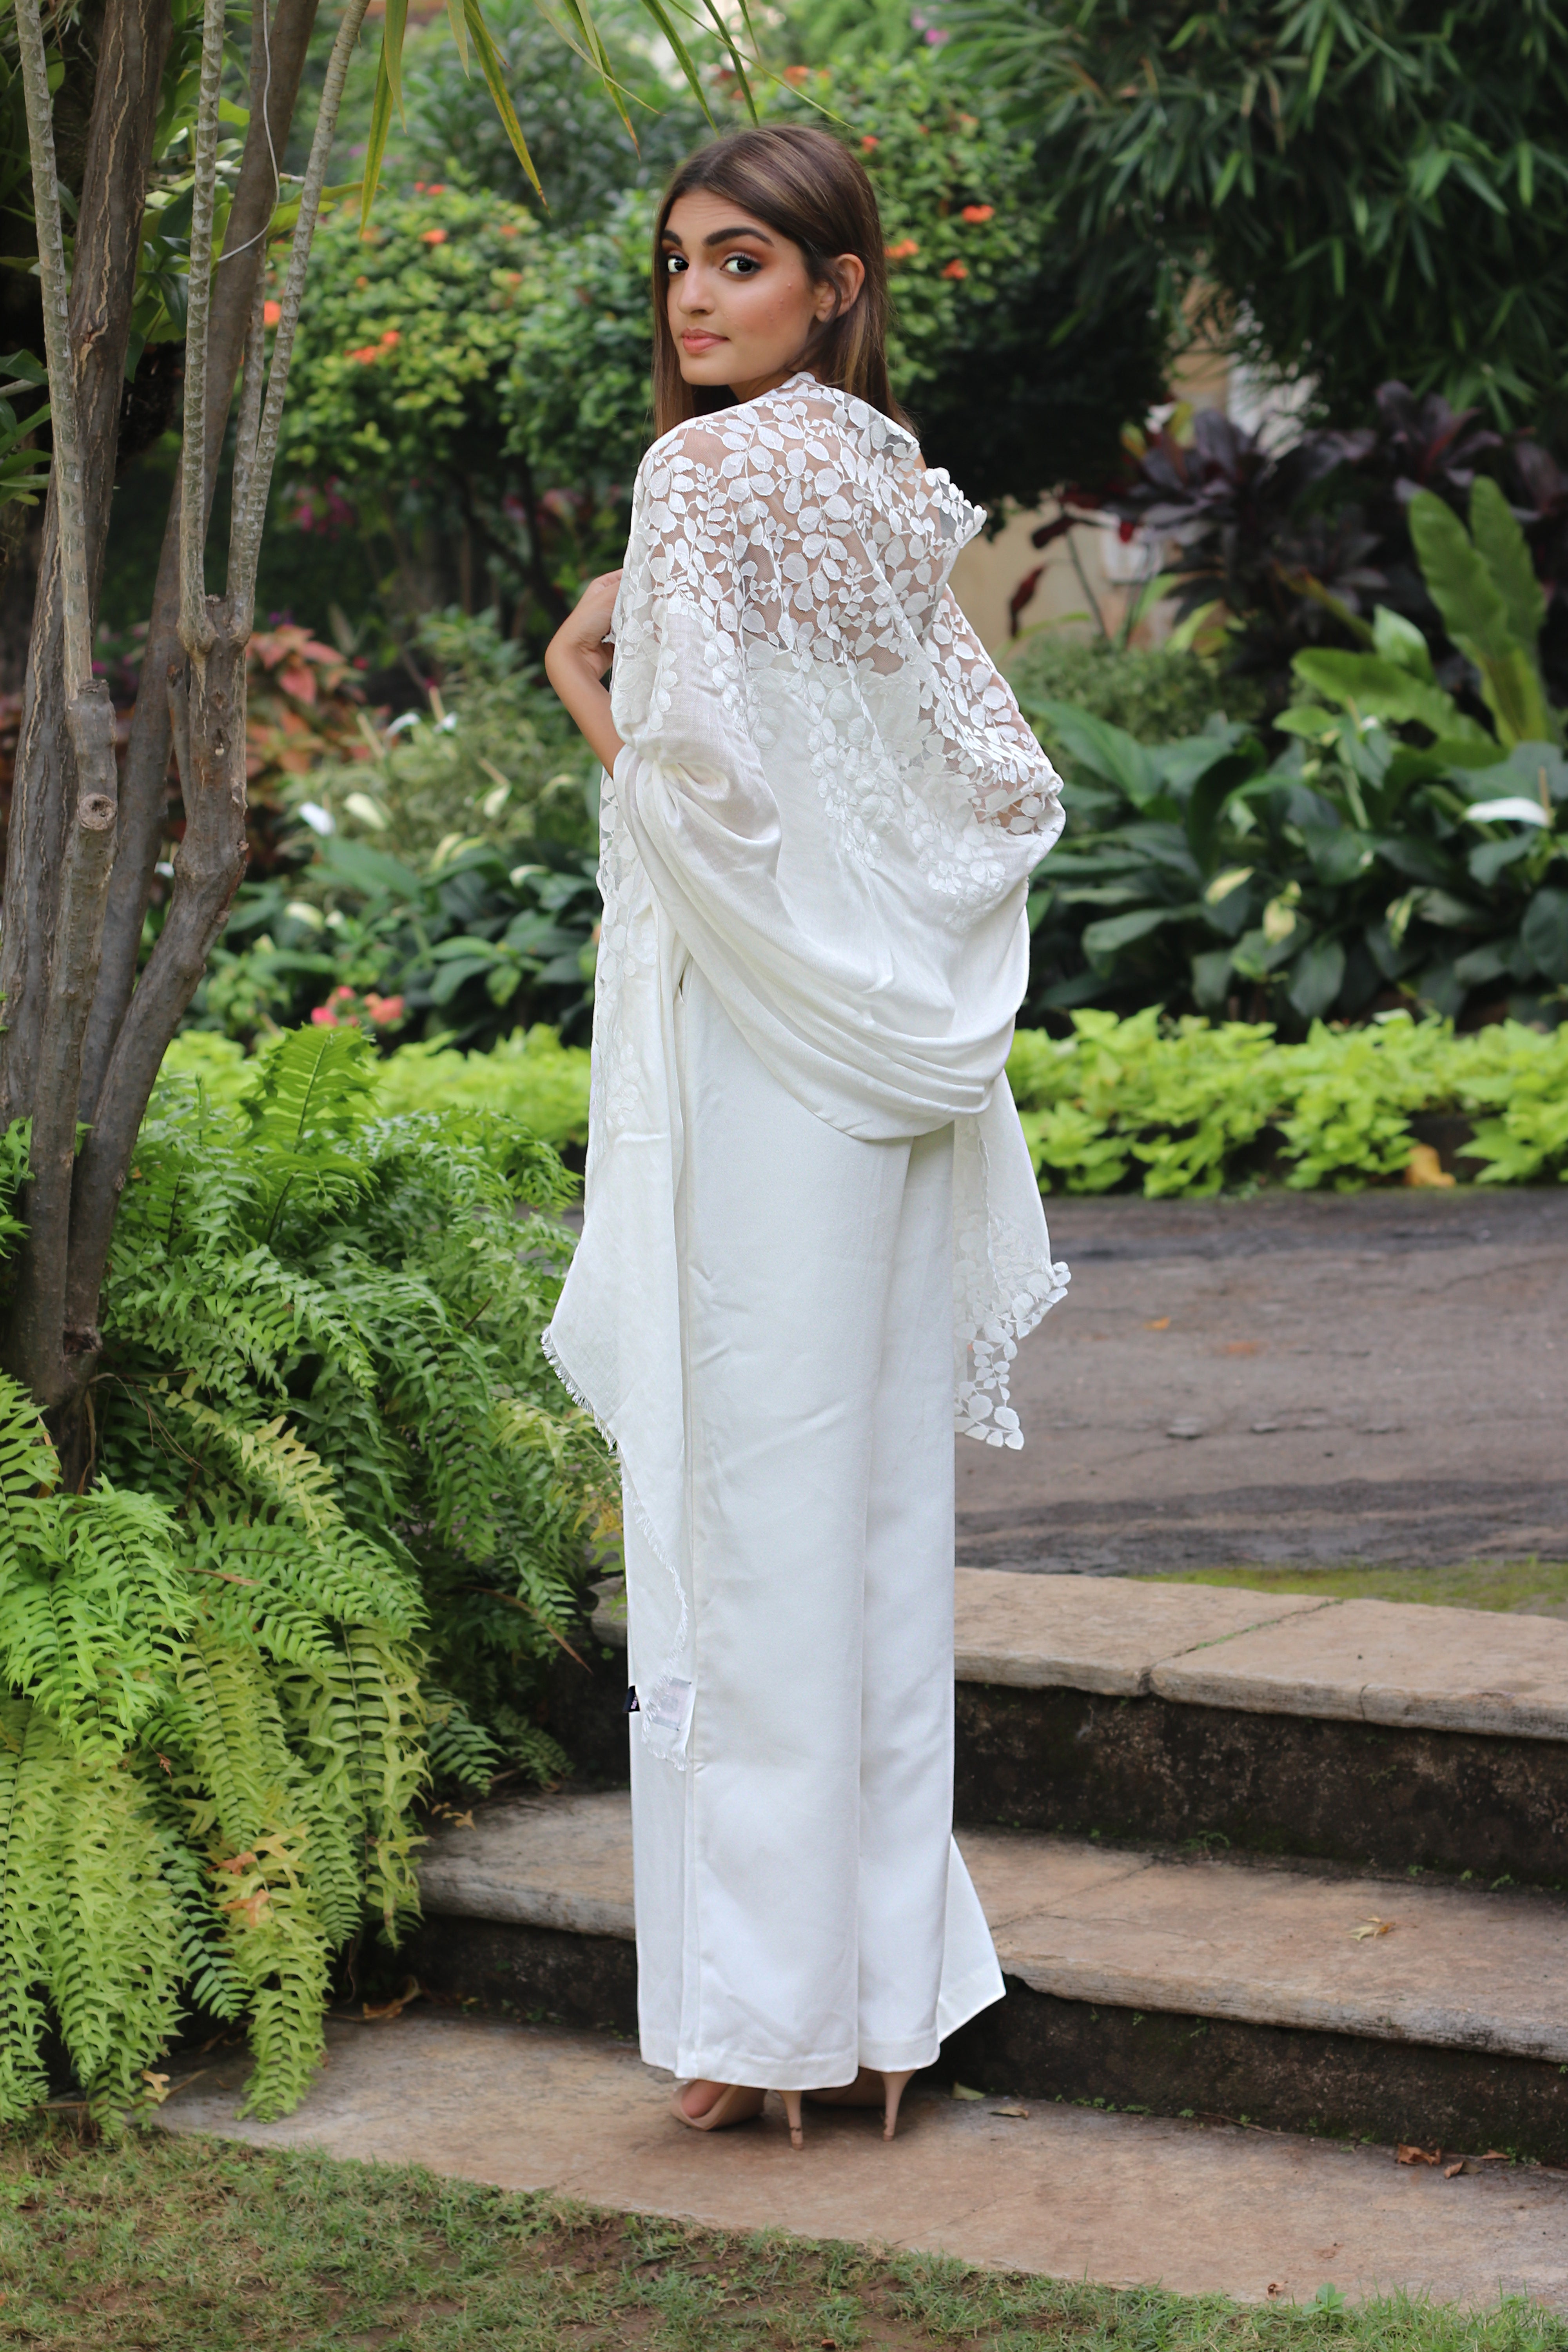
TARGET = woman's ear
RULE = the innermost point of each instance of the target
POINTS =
(839, 288)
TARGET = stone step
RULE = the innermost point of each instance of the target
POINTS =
(1064, 2191)
(1361, 1731)
(1302, 1999)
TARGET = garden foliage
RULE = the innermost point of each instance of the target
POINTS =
(1364, 191)
(337, 1518)
(1190, 1107)
(1293, 546)
(1202, 872)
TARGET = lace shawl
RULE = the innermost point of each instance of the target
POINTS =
(828, 800)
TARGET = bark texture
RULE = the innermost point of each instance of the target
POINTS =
(133, 44)
(206, 711)
(144, 789)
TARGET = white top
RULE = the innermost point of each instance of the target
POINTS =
(827, 798)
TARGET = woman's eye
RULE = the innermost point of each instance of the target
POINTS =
(743, 264)
(674, 264)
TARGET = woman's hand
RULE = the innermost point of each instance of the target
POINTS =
(576, 661)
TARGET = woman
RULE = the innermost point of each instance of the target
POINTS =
(820, 811)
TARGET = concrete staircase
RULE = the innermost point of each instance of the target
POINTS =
(1294, 1862)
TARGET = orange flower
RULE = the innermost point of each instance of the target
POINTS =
(977, 211)
(392, 335)
(366, 353)
(904, 249)
(955, 269)
(795, 75)
(868, 139)
(433, 236)
(359, 285)
(508, 228)
(270, 313)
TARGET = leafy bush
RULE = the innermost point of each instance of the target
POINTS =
(339, 1518)
(1362, 189)
(529, 1077)
(1292, 547)
(453, 891)
(1177, 1108)
(1355, 862)
(492, 758)
(1351, 870)
(1153, 695)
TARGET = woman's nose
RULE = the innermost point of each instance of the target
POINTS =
(690, 294)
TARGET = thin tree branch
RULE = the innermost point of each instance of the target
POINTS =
(279, 52)
(55, 287)
(210, 861)
(249, 417)
(134, 39)
(246, 545)
(195, 629)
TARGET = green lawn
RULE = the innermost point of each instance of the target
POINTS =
(1523, 1585)
(171, 2244)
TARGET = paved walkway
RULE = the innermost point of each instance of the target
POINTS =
(1062, 2192)
(1381, 1376)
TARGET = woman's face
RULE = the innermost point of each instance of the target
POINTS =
(741, 307)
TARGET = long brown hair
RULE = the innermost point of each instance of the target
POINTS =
(802, 183)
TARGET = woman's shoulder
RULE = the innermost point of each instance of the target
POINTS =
(800, 424)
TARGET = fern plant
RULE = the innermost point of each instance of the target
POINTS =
(338, 1511)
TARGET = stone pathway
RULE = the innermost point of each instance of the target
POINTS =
(1060, 2190)
(1292, 1379)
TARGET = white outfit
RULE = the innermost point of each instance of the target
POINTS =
(806, 1187)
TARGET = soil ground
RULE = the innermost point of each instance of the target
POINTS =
(1289, 1380)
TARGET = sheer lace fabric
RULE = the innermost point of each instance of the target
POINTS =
(828, 800)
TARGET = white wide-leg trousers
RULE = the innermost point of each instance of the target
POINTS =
(801, 1908)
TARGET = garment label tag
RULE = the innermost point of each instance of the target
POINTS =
(667, 1703)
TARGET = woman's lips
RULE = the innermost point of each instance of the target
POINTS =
(697, 341)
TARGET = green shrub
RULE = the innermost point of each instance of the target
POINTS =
(339, 1519)
(529, 1077)
(1155, 695)
(1176, 1107)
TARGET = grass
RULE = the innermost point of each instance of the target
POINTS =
(170, 2244)
(1528, 1585)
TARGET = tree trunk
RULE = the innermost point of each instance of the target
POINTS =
(135, 38)
(144, 791)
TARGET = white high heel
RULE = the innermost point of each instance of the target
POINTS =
(737, 2102)
(873, 2087)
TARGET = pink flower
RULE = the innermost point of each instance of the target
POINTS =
(868, 140)
(955, 269)
(324, 1017)
(270, 313)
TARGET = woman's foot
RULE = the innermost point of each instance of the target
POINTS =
(715, 2106)
(872, 2088)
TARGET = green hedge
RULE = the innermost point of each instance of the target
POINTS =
(1171, 1107)
(1181, 1107)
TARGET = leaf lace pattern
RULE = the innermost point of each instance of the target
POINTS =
(799, 552)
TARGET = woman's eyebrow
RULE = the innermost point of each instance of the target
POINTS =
(723, 236)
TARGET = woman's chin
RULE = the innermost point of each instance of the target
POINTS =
(707, 368)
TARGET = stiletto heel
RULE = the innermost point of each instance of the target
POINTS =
(791, 2109)
(894, 2086)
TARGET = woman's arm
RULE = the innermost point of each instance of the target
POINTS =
(576, 661)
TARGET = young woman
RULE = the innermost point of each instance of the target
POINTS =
(806, 1173)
